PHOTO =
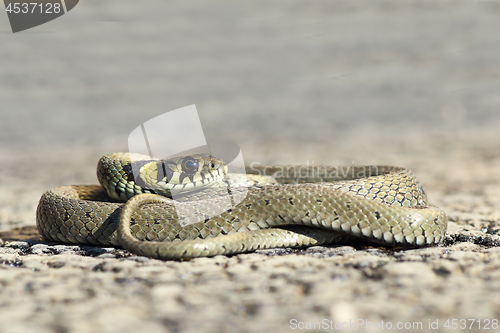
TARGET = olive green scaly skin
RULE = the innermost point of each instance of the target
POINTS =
(388, 208)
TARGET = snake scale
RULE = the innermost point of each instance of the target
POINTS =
(295, 206)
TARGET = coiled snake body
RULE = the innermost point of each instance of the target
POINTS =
(296, 207)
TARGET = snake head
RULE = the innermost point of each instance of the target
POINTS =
(124, 175)
(184, 173)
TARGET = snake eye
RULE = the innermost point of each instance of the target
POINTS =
(189, 165)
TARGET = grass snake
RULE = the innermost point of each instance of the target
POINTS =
(292, 206)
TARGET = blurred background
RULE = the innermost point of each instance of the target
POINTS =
(410, 83)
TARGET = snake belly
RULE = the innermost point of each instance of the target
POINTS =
(308, 206)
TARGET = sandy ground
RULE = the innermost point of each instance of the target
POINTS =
(413, 84)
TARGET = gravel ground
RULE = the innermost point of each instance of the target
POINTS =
(411, 83)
